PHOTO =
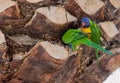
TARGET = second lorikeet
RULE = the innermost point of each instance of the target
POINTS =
(92, 30)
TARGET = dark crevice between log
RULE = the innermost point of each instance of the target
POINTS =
(106, 13)
(11, 70)
(109, 11)
(47, 3)
(114, 42)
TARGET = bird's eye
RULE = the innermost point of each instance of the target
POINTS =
(87, 24)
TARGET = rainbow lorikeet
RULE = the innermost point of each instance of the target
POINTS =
(75, 37)
(92, 30)
(89, 35)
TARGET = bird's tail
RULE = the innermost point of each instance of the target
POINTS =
(98, 47)
(88, 42)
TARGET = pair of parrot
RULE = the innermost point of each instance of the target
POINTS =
(89, 34)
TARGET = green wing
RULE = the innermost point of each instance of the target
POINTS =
(88, 42)
(95, 33)
(72, 35)
(75, 37)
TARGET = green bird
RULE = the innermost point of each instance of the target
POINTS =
(75, 37)
(93, 32)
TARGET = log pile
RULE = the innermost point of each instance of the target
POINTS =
(31, 50)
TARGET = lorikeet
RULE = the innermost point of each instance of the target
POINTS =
(75, 37)
(92, 30)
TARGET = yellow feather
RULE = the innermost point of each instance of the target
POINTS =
(86, 31)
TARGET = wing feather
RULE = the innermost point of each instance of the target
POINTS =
(96, 33)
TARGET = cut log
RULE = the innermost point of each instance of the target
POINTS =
(73, 8)
(55, 51)
(13, 26)
(11, 12)
(82, 8)
(3, 47)
(18, 46)
(90, 6)
(8, 9)
(109, 28)
(54, 14)
(115, 3)
(49, 24)
(42, 62)
(57, 14)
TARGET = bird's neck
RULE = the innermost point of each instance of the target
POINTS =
(86, 30)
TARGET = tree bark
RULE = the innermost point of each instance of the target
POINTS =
(26, 22)
(39, 66)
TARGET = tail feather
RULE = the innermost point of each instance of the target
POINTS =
(100, 48)
(94, 45)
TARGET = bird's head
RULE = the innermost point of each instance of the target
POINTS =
(85, 22)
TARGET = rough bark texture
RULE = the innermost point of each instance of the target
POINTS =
(45, 69)
(41, 67)
(26, 22)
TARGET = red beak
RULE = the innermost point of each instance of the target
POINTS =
(83, 24)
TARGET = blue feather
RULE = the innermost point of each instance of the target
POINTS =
(86, 21)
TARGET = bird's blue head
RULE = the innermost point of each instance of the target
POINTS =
(85, 22)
